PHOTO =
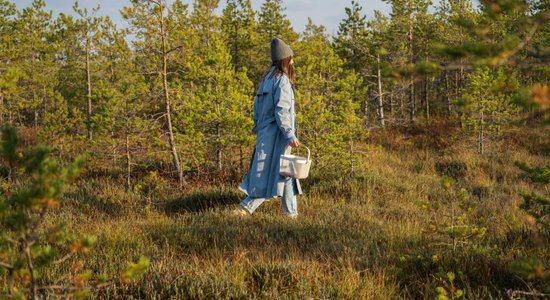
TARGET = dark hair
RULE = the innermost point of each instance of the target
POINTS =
(283, 66)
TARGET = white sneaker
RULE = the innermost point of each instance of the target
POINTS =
(240, 212)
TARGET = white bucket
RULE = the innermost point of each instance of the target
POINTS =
(295, 166)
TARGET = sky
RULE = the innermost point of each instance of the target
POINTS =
(323, 12)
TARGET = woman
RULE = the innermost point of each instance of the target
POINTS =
(275, 129)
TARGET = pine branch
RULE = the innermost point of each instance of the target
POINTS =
(64, 258)
(6, 265)
(173, 49)
(513, 293)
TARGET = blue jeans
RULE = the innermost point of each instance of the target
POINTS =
(288, 201)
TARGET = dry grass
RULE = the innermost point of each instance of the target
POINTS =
(348, 243)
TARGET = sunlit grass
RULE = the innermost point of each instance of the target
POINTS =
(356, 237)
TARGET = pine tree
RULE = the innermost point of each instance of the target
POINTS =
(327, 103)
(351, 39)
(272, 23)
(36, 55)
(239, 30)
(88, 26)
(154, 24)
(217, 116)
(378, 44)
(405, 19)
(537, 207)
(451, 17)
(56, 119)
(487, 104)
(29, 244)
(537, 51)
(36, 182)
(71, 76)
(124, 114)
(8, 74)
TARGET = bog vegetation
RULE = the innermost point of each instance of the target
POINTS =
(122, 148)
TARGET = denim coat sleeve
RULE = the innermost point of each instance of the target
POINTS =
(283, 105)
(255, 128)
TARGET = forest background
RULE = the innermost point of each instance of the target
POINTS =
(428, 131)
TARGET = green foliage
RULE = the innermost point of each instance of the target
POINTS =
(539, 174)
(328, 107)
(448, 289)
(33, 53)
(36, 183)
(272, 22)
(538, 207)
(217, 117)
(498, 33)
(532, 269)
(29, 244)
(453, 229)
(458, 227)
(135, 270)
(351, 40)
(241, 37)
(152, 186)
(487, 106)
(56, 118)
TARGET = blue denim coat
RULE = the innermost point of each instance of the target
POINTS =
(275, 127)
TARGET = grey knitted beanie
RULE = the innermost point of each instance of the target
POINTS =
(280, 50)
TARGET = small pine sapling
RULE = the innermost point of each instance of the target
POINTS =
(451, 231)
(537, 206)
(29, 246)
(455, 228)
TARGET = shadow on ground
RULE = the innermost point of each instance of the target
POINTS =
(87, 201)
(203, 200)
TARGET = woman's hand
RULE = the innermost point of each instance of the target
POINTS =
(294, 143)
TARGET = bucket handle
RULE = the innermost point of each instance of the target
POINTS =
(308, 151)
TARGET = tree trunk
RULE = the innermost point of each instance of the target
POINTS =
(458, 95)
(391, 104)
(380, 99)
(457, 83)
(1, 109)
(89, 86)
(401, 106)
(34, 286)
(10, 115)
(426, 99)
(236, 45)
(461, 77)
(411, 102)
(366, 105)
(219, 147)
(411, 60)
(171, 141)
(352, 168)
(448, 94)
(481, 127)
(34, 88)
(128, 162)
(35, 122)
(481, 137)
(10, 282)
